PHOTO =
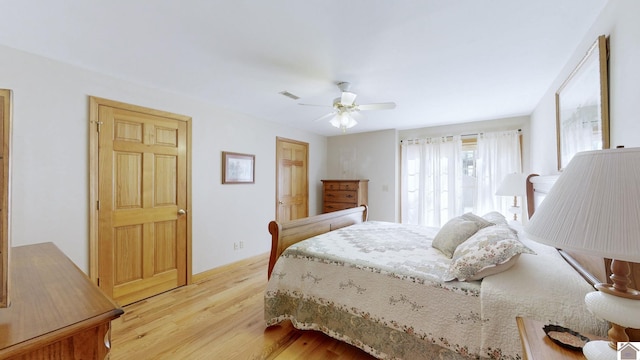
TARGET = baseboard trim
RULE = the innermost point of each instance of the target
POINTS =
(196, 278)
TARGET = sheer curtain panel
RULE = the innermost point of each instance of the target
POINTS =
(431, 178)
(498, 155)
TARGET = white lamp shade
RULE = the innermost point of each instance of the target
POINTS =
(594, 206)
(513, 185)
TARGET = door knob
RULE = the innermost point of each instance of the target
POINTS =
(182, 212)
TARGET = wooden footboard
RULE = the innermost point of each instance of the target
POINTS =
(288, 233)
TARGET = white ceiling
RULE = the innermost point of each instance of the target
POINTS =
(441, 61)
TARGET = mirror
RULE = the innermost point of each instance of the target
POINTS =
(582, 106)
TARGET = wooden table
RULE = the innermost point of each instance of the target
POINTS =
(537, 345)
(55, 311)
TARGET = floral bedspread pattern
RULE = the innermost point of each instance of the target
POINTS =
(378, 286)
(383, 294)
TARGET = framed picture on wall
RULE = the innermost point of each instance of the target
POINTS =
(582, 106)
(238, 168)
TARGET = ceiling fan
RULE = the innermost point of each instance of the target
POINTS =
(345, 108)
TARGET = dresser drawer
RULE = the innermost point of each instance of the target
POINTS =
(339, 185)
(340, 196)
(343, 194)
(331, 206)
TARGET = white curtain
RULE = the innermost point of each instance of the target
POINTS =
(498, 155)
(431, 180)
(578, 136)
(432, 177)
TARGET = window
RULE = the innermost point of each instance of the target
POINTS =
(444, 177)
(469, 179)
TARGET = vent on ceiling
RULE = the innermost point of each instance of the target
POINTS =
(289, 95)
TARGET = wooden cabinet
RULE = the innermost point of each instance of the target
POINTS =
(56, 312)
(343, 194)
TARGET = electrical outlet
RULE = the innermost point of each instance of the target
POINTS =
(241, 244)
(235, 246)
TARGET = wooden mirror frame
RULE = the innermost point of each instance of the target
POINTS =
(5, 244)
(577, 97)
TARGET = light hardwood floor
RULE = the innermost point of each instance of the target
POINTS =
(219, 317)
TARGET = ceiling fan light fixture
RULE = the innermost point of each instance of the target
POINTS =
(345, 108)
(343, 121)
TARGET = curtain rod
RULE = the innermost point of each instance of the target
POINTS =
(463, 135)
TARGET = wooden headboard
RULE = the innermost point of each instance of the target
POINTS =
(590, 267)
(593, 269)
(285, 234)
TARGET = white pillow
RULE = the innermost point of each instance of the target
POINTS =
(456, 231)
(495, 217)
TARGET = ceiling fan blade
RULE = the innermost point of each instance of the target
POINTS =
(377, 106)
(347, 98)
(324, 117)
(356, 115)
(327, 106)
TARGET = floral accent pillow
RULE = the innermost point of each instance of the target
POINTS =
(488, 248)
(456, 231)
(491, 270)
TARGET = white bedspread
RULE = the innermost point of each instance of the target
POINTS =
(377, 286)
(542, 286)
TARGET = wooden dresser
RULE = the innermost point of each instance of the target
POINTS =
(56, 312)
(343, 194)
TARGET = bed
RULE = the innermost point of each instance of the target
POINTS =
(387, 294)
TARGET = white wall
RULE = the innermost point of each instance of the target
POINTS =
(618, 20)
(373, 156)
(49, 197)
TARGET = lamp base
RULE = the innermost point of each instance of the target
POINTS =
(620, 271)
(598, 350)
(610, 289)
(614, 309)
(515, 210)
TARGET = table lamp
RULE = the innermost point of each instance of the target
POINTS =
(513, 185)
(594, 208)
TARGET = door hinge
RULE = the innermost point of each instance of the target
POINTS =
(98, 125)
(98, 205)
(98, 282)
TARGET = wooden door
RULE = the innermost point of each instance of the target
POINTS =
(292, 198)
(142, 201)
